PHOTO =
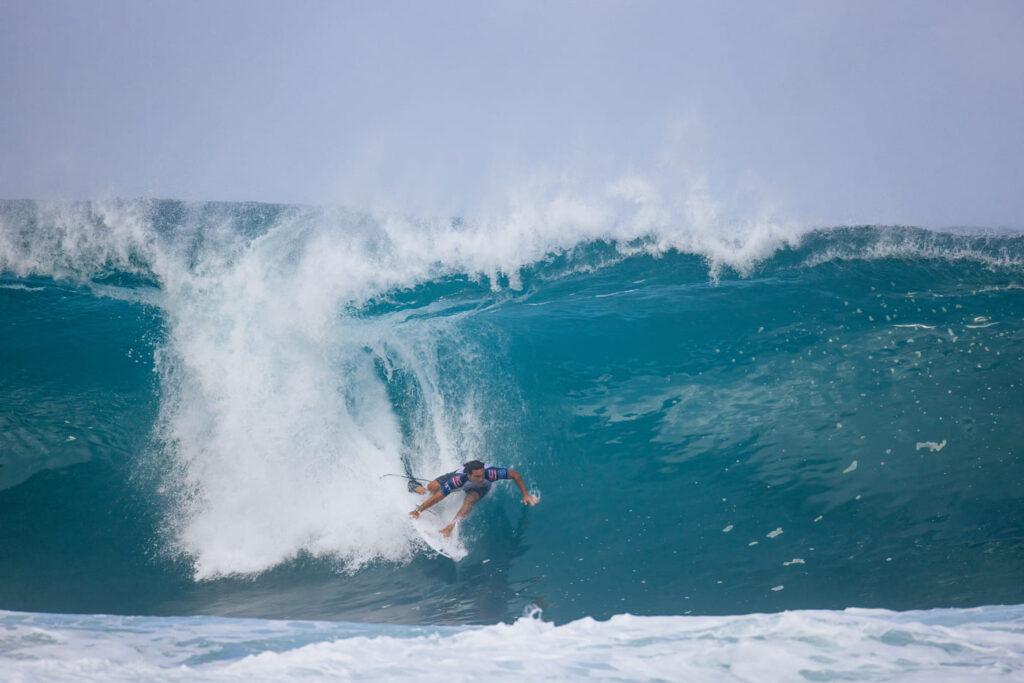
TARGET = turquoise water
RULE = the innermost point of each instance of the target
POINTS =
(197, 404)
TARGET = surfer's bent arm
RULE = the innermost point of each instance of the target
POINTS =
(456, 481)
(427, 503)
(527, 498)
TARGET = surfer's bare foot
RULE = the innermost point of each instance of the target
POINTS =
(447, 531)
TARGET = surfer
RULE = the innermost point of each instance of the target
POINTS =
(475, 479)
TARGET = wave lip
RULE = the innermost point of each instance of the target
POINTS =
(191, 249)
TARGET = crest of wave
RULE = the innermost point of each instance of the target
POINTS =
(276, 423)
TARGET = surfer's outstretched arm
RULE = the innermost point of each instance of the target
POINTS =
(527, 498)
(467, 506)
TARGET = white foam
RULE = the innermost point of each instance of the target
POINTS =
(931, 445)
(855, 644)
(22, 288)
(896, 243)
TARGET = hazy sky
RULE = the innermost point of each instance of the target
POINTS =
(885, 112)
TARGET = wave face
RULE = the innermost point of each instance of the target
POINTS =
(199, 403)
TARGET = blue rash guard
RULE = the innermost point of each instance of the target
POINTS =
(460, 480)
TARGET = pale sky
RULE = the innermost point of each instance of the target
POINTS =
(833, 112)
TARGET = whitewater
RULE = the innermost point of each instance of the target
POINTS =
(765, 451)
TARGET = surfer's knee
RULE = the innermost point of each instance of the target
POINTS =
(433, 486)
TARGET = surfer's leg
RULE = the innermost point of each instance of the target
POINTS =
(433, 486)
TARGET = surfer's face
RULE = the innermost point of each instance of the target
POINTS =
(477, 476)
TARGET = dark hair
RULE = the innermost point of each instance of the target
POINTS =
(472, 466)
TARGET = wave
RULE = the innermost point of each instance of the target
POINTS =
(703, 386)
(936, 645)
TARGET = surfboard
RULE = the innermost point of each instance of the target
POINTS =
(428, 526)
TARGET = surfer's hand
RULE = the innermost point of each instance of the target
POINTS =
(530, 500)
(415, 513)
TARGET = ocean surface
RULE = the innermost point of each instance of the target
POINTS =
(761, 451)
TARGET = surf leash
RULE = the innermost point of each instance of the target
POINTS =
(404, 476)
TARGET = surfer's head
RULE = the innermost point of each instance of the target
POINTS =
(474, 469)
